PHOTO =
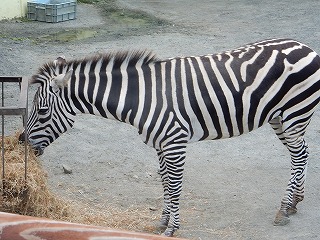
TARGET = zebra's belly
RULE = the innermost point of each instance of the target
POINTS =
(199, 134)
(213, 129)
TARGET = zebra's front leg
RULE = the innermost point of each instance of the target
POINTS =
(295, 188)
(164, 177)
(171, 170)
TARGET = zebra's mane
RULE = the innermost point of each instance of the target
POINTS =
(51, 68)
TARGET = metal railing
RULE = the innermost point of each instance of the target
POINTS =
(21, 109)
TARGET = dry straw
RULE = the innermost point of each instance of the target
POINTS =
(33, 197)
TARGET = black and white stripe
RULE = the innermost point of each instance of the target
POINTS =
(188, 99)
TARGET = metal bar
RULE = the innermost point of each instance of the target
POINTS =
(2, 146)
(12, 111)
(2, 132)
(25, 149)
(10, 79)
(23, 100)
(2, 93)
(21, 109)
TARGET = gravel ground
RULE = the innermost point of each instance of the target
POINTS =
(242, 179)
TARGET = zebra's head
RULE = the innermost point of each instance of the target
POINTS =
(51, 114)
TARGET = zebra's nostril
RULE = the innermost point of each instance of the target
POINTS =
(38, 151)
(22, 138)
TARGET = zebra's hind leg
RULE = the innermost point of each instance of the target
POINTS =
(293, 139)
(295, 189)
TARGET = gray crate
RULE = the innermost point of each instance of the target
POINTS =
(52, 12)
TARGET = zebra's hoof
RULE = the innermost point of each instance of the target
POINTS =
(169, 232)
(281, 219)
(164, 221)
(292, 210)
(162, 225)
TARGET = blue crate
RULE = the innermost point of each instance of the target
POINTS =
(52, 11)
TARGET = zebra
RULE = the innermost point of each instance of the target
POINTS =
(181, 100)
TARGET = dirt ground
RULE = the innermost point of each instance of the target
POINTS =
(233, 187)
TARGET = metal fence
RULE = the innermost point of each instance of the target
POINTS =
(21, 109)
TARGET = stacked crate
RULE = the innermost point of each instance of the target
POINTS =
(52, 11)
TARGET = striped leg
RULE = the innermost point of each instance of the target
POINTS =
(164, 177)
(295, 143)
(172, 160)
(277, 127)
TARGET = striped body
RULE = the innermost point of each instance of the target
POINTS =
(182, 100)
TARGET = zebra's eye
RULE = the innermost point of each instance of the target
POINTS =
(43, 110)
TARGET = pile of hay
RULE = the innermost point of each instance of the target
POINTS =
(33, 197)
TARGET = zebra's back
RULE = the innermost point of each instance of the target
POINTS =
(234, 92)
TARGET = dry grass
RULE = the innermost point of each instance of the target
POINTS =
(33, 197)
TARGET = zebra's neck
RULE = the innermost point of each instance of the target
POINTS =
(109, 89)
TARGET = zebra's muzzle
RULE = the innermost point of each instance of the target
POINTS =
(38, 150)
(22, 137)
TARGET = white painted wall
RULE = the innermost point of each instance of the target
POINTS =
(13, 8)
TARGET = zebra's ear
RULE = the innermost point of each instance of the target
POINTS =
(61, 81)
(61, 60)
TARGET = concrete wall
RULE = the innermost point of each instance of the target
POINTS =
(12, 8)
